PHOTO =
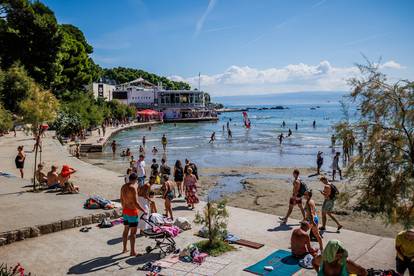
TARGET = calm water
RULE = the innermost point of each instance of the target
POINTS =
(257, 146)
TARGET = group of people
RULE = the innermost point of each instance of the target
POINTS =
(137, 194)
(55, 180)
(300, 191)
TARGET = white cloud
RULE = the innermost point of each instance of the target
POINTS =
(200, 22)
(239, 80)
(391, 65)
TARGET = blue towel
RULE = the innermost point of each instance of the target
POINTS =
(282, 261)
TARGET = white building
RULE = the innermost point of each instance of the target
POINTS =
(103, 90)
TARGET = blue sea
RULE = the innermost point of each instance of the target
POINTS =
(257, 146)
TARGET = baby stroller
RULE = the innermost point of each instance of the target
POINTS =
(163, 240)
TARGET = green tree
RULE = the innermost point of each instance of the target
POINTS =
(29, 33)
(76, 68)
(6, 119)
(122, 75)
(67, 123)
(385, 169)
(39, 107)
(14, 87)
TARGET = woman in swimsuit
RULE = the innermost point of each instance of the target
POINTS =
(168, 196)
(312, 217)
(179, 177)
(19, 160)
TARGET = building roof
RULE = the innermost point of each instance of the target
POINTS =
(139, 81)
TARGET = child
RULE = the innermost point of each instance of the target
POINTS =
(128, 172)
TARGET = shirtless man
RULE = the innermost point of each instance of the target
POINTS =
(295, 199)
(328, 204)
(53, 178)
(144, 200)
(300, 241)
(130, 207)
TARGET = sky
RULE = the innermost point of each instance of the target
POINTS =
(247, 47)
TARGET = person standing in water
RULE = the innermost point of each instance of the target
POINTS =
(296, 126)
(143, 141)
(113, 146)
(289, 132)
(283, 124)
(280, 137)
(333, 140)
(314, 124)
(229, 133)
(213, 137)
(164, 142)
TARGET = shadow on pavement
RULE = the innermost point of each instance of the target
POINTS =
(96, 264)
(181, 208)
(282, 227)
(143, 259)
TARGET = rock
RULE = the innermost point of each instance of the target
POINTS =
(24, 233)
(78, 221)
(34, 232)
(12, 236)
(57, 226)
(3, 241)
(66, 224)
(46, 228)
(86, 220)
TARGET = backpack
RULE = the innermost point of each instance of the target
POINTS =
(334, 191)
(303, 188)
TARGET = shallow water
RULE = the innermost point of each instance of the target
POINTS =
(257, 146)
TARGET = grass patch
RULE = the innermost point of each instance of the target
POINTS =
(216, 249)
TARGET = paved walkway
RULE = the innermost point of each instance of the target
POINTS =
(98, 252)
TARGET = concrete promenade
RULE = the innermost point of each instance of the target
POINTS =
(97, 252)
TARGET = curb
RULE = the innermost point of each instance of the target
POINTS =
(24, 233)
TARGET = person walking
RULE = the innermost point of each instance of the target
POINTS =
(329, 192)
(19, 160)
(140, 170)
(312, 217)
(168, 196)
(130, 211)
(335, 166)
(190, 184)
(319, 162)
(179, 177)
(213, 137)
(164, 170)
(298, 191)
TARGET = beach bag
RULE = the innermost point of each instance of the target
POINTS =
(182, 223)
(303, 188)
(306, 262)
(200, 258)
(334, 191)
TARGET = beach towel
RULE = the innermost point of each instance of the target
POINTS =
(282, 262)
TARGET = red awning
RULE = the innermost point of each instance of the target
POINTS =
(147, 112)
